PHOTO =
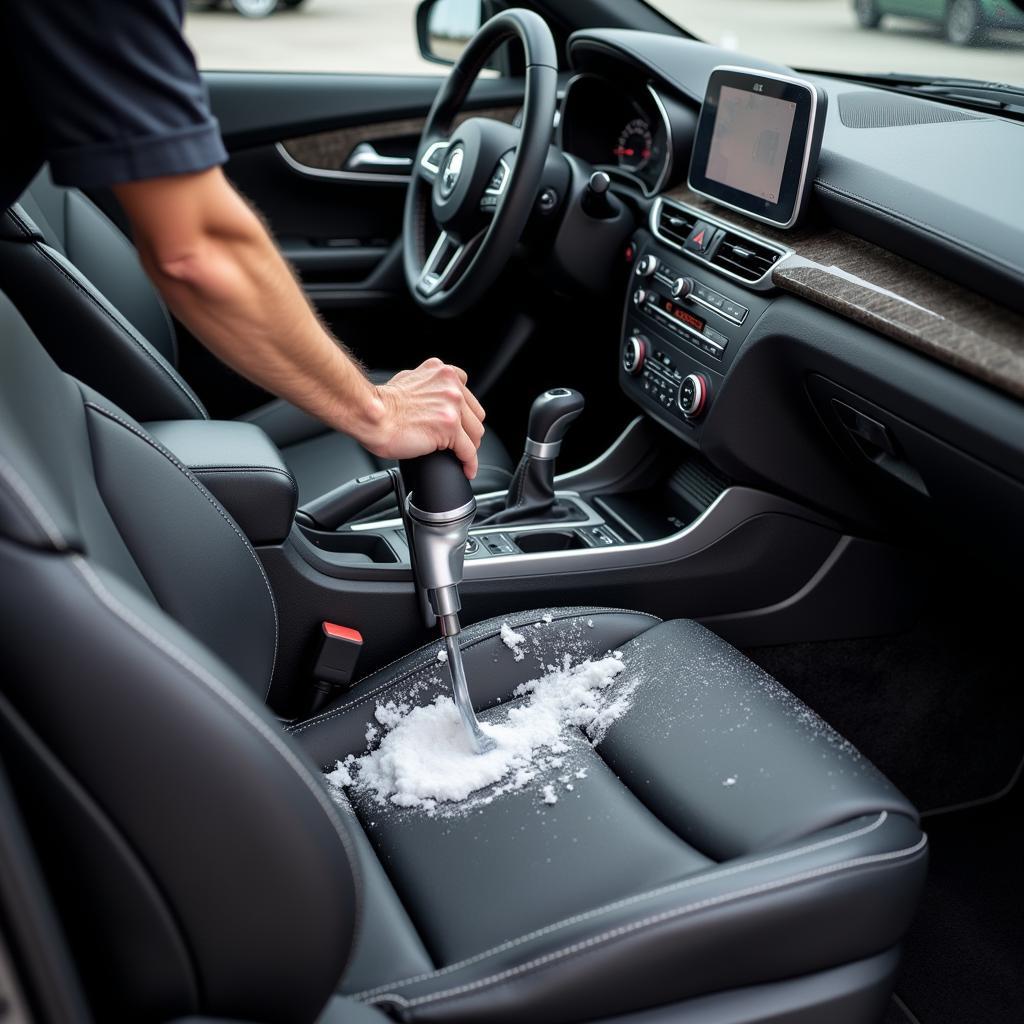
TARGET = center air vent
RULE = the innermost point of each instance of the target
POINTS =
(745, 258)
(675, 224)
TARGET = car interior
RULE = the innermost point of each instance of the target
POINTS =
(755, 432)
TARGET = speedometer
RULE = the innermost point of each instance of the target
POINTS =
(634, 145)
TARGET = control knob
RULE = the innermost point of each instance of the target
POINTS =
(647, 266)
(638, 297)
(634, 354)
(693, 395)
(682, 287)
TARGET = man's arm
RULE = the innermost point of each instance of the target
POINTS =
(221, 274)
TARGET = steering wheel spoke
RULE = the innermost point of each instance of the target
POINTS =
(498, 183)
(429, 164)
(446, 263)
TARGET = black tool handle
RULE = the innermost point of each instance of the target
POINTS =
(436, 482)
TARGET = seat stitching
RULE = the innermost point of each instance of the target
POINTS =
(215, 686)
(490, 635)
(124, 327)
(628, 901)
(216, 505)
(32, 504)
(655, 919)
(19, 222)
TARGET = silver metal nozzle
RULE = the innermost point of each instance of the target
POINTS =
(479, 740)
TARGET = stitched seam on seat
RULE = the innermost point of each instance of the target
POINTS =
(663, 890)
(656, 919)
(214, 685)
(490, 635)
(32, 504)
(124, 328)
(217, 506)
(19, 222)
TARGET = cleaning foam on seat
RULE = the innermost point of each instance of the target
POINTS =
(425, 761)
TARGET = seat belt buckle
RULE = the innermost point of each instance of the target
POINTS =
(334, 670)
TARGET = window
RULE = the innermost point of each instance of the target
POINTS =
(981, 39)
(308, 35)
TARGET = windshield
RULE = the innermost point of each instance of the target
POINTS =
(982, 39)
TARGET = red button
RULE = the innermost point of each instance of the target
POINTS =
(342, 632)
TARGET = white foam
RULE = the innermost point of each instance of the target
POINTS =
(442, 655)
(548, 795)
(513, 641)
(425, 761)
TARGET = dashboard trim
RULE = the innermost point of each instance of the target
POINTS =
(892, 296)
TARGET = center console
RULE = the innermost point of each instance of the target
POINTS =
(697, 291)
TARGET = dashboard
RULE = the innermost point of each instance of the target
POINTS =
(867, 356)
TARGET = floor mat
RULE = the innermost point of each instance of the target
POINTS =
(939, 709)
(964, 958)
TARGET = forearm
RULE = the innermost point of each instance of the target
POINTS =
(220, 273)
(225, 280)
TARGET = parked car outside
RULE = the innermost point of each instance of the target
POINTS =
(964, 21)
(250, 8)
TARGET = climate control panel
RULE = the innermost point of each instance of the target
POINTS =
(683, 326)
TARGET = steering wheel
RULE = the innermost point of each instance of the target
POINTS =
(478, 183)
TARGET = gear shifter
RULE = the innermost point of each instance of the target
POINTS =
(439, 510)
(531, 495)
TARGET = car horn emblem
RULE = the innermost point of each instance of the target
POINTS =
(451, 172)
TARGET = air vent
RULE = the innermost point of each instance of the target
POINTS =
(674, 224)
(745, 258)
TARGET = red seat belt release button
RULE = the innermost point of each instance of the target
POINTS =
(340, 647)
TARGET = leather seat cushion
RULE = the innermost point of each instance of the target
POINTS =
(720, 831)
(321, 459)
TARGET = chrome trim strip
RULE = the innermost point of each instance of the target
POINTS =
(542, 449)
(805, 160)
(325, 172)
(441, 518)
(425, 163)
(763, 283)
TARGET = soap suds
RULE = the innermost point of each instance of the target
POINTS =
(513, 641)
(442, 655)
(424, 760)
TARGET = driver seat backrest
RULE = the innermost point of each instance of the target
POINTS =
(141, 758)
(64, 262)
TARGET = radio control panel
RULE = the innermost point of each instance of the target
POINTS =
(683, 325)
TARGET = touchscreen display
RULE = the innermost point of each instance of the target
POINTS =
(750, 141)
(757, 142)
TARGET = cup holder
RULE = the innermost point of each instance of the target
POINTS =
(560, 540)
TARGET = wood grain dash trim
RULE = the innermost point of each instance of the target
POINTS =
(895, 297)
(328, 151)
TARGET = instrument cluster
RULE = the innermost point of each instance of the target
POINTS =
(623, 131)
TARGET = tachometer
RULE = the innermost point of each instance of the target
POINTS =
(634, 146)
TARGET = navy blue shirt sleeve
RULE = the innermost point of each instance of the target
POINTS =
(113, 89)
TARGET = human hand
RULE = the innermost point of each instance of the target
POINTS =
(426, 410)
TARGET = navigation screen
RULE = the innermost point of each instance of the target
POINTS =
(750, 141)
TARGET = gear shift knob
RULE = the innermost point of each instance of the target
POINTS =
(550, 417)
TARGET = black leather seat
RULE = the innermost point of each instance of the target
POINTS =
(727, 858)
(64, 263)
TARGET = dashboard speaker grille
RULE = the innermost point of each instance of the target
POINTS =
(870, 110)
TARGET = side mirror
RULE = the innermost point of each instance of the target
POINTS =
(445, 27)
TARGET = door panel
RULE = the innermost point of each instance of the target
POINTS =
(291, 140)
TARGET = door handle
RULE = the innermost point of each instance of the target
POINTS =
(365, 158)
